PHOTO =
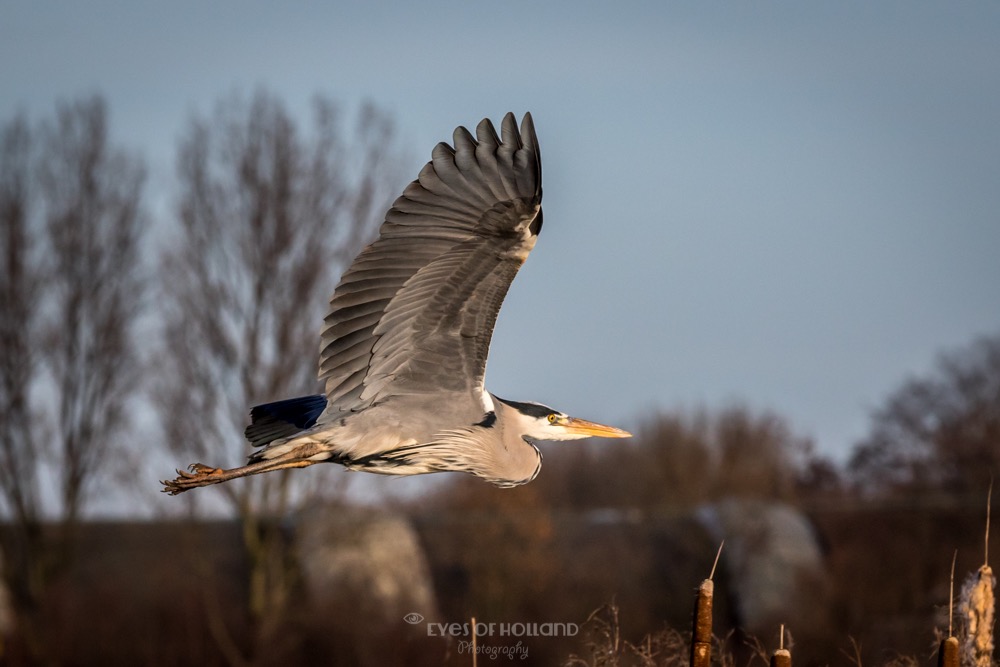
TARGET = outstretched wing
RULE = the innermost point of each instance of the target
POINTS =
(414, 313)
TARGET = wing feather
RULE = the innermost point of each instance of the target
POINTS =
(415, 311)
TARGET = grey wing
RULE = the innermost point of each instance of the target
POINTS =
(414, 313)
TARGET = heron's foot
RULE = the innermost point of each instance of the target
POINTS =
(199, 475)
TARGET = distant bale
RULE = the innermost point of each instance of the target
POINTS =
(772, 563)
(371, 561)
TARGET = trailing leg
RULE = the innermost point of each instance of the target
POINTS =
(199, 474)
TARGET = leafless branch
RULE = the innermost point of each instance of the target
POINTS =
(268, 217)
(92, 206)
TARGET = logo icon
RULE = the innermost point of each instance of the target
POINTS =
(413, 618)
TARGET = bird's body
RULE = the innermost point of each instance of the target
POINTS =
(404, 347)
(400, 437)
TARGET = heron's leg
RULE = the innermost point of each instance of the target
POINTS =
(203, 475)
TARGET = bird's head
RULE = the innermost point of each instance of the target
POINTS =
(540, 422)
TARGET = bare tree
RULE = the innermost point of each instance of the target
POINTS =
(71, 207)
(759, 454)
(18, 299)
(267, 219)
(940, 432)
(92, 205)
(20, 285)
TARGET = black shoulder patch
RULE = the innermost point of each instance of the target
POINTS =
(489, 420)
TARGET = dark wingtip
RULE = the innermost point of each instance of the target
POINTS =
(528, 131)
(530, 141)
(508, 130)
(486, 133)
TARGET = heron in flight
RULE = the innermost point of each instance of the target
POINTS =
(404, 346)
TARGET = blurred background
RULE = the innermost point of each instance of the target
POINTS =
(770, 251)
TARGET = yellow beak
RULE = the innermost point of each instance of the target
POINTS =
(584, 427)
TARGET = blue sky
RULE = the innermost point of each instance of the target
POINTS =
(792, 205)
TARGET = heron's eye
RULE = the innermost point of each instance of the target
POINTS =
(553, 418)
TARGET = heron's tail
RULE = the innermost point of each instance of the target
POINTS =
(283, 419)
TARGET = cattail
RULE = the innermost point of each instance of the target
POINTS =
(976, 614)
(948, 652)
(701, 640)
(976, 610)
(782, 657)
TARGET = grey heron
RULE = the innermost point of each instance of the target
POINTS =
(404, 346)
